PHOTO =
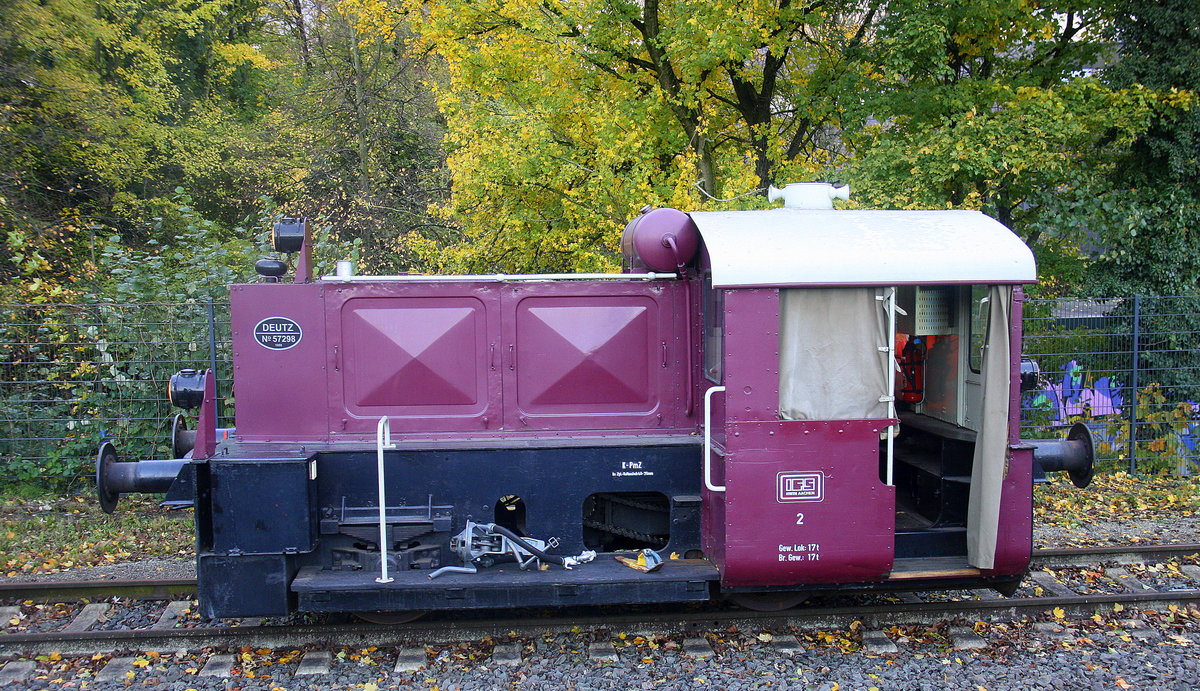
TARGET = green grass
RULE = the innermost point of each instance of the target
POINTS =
(54, 534)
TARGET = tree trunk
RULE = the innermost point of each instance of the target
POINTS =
(704, 165)
(302, 32)
(668, 81)
(361, 118)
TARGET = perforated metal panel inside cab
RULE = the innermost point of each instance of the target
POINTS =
(930, 310)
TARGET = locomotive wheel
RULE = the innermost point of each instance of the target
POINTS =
(391, 618)
(769, 602)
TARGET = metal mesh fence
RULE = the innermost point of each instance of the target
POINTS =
(1129, 368)
(73, 375)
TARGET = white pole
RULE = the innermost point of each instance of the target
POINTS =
(523, 278)
(383, 440)
(891, 335)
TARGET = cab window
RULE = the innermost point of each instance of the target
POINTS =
(979, 320)
(714, 331)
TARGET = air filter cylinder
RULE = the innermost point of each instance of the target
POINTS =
(661, 240)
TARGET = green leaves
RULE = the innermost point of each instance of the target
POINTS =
(564, 119)
(112, 103)
(998, 145)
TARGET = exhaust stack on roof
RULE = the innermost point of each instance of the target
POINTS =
(808, 195)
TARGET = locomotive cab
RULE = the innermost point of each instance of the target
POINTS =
(864, 379)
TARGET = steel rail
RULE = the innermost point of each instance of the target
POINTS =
(1073, 556)
(66, 591)
(420, 633)
(150, 589)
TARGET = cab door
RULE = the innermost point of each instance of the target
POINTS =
(972, 356)
(806, 376)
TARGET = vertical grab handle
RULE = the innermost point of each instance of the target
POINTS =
(383, 440)
(708, 440)
(891, 387)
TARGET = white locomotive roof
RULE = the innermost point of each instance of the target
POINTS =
(781, 247)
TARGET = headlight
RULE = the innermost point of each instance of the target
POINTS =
(187, 389)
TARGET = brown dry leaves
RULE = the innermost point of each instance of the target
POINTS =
(1117, 497)
(48, 535)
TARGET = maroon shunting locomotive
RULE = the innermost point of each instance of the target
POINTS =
(766, 403)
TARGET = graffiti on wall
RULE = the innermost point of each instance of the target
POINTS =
(1074, 395)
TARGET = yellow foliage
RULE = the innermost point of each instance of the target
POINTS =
(373, 19)
(564, 118)
(238, 54)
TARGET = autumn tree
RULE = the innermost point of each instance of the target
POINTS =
(992, 105)
(373, 160)
(108, 105)
(565, 117)
(1146, 217)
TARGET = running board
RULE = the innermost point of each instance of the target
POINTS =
(601, 582)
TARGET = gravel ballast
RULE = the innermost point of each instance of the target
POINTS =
(1093, 654)
(1083, 654)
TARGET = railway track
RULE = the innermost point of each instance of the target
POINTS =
(57, 591)
(1070, 583)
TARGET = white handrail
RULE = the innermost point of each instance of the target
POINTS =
(502, 278)
(383, 440)
(891, 385)
(708, 440)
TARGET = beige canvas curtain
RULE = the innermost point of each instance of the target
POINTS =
(991, 442)
(830, 363)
